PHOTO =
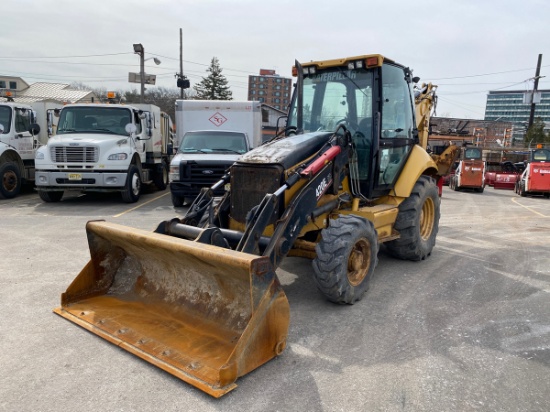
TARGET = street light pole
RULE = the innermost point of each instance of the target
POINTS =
(138, 49)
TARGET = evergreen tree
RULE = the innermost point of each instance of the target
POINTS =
(214, 86)
(535, 134)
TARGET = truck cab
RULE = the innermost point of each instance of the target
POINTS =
(102, 148)
(19, 138)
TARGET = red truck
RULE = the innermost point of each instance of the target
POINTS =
(535, 180)
(470, 173)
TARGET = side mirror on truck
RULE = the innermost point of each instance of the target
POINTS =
(34, 129)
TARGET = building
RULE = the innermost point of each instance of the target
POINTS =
(481, 133)
(22, 92)
(271, 89)
(515, 106)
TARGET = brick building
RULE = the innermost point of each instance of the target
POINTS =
(270, 88)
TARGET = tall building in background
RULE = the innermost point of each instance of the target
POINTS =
(271, 89)
(515, 106)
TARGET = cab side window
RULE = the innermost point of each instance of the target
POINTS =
(138, 121)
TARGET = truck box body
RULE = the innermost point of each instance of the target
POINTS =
(211, 136)
(229, 115)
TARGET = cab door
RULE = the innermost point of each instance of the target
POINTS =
(22, 139)
(397, 128)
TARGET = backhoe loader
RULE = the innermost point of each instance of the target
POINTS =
(199, 297)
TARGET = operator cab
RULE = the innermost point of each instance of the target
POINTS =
(373, 99)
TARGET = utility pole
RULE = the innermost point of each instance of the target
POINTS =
(535, 88)
(182, 82)
(181, 60)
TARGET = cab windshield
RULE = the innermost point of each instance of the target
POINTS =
(94, 120)
(5, 118)
(336, 96)
(213, 141)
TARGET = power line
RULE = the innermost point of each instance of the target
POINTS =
(65, 57)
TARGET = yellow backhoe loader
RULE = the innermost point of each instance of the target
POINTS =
(199, 296)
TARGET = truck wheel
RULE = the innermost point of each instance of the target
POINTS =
(346, 257)
(177, 201)
(50, 197)
(160, 176)
(417, 222)
(521, 190)
(132, 189)
(10, 183)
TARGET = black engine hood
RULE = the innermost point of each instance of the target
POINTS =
(288, 151)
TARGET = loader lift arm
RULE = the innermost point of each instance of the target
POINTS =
(322, 173)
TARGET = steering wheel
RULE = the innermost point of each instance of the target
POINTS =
(348, 124)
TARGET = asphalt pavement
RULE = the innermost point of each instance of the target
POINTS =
(468, 329)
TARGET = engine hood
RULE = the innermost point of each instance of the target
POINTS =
(204, 157)
(82, 139)
(288, 151)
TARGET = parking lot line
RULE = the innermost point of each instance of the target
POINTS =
(527, 207)
(142, 204)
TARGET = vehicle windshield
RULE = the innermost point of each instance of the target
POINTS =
(90, 119)
(336, 96)
(213, 141)
(5, 118)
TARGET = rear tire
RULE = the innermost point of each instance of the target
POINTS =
(50, 197)
(10, 180)
(160, 176)
(132, 189)
(346, 257)
(521, 190)
(417, 222)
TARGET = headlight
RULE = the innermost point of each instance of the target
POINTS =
(118, 156)
(39, 156)
(174, 173)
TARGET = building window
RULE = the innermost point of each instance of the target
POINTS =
(261, 92)
(262, 79)
(2, 84)
(13, 85)
(261, 86)
(252, 91)
(261, 99)
(278, 80)
(277, 94)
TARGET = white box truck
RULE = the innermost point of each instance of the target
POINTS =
(211, 136)
(105, 147)
(23, 129)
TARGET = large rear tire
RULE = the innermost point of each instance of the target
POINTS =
(160, 176)
(132, 189)
(417, 222)
(346, 257)
(50, 197)
(10, 180)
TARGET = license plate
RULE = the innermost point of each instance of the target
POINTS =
(75, 176)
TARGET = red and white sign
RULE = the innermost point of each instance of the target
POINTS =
(217, 119)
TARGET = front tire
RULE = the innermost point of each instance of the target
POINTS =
(50, 197)
(132, 189)
(10, 180)
(417, 222)
(346, 257)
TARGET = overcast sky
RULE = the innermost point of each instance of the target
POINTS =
(466, 47)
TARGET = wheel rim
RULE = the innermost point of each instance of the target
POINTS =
(359, 262)
(427, 218)
(135, 184)
(9, 181)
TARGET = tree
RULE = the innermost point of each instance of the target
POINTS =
(535, 134)
(214, 86)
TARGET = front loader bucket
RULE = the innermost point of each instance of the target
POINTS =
(205, 314)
